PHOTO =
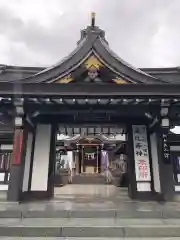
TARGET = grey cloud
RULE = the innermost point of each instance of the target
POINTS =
(131, 27)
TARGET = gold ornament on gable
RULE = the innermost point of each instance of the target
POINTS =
(66, 79)
(119, 80)
(93, 61)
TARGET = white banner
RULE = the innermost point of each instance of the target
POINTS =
(141, 153)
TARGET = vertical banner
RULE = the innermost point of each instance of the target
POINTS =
(104, 160)
(166, 149)
(17, 147)
(141, 153)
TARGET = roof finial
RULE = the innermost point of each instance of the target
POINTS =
(93, 16)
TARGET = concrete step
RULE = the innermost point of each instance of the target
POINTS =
(79, 197)
(87, 214)
(72, 238)
(53, 212)
(83, 228)
(89, 208)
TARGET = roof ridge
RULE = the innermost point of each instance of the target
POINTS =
(92, 39)
(123, 61)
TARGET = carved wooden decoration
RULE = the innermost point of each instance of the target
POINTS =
(93, 61)
(66, 79)
(119, 80)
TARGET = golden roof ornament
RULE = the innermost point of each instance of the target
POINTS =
(119, 80)
(66, 79)
(93, 19)
(92, 61)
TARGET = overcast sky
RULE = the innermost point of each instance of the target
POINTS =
(146, 33)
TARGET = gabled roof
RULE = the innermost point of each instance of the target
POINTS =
(9, 73)
(92, 60)
(92, 45)
(170, 74)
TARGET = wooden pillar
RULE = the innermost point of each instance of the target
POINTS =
(17, 160)
(97, 160)
(165, 170)
(131, 164)
(82, 160)
(77, 161)
(52, 162)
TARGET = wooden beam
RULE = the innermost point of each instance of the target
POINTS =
(91, 90)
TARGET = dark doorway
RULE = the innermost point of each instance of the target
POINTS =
(86, 160)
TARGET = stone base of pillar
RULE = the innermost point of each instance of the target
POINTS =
(167, 183)
(147, 196)
(36, 195)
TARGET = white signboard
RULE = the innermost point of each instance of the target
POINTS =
(141, 153)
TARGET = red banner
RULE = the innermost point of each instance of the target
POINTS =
(17, 147)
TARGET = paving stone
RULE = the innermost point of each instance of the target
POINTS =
(81, 228)
(93, 214)
(152, 231)
(10, 214)
(31, 232)
(80, 216)
(38, 222)
(139, 222)
(92, 232)
(138, 214)
(10, 222)
(46, 214)
(91, 208)
(84, 238)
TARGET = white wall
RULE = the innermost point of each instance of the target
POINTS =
(27, 162)
(41, 158)
(155, 164)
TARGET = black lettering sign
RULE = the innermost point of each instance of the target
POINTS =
(166, 149)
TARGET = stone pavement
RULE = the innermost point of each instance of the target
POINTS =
(89, 202)
(90, 211)
(83, 227)
(47, 238)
